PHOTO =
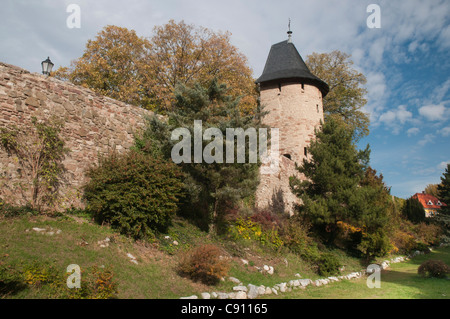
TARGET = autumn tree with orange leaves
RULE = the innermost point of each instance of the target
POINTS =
(112, 65)
(347, 97)
(145, 71)
(183, 53)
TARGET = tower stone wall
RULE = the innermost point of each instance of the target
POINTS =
(296, 109)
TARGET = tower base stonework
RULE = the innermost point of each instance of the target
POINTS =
(274, 192)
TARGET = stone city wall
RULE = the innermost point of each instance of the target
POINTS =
(94, 125)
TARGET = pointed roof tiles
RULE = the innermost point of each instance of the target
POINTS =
(284, 62)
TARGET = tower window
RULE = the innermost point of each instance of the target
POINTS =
(303, 86)
(305, 151)
(287, 156)
(317, 107)
(279, 87)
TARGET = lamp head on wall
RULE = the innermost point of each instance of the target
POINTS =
(47, 66)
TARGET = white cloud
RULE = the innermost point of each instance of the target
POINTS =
(443, 165)
(395, 118)
(440, 91)
(433, 112)
(377, 50)
(427, 139)
(412, 131)
(402, 114)
(413, 46)
(388, 117)
(377, 94)
(444, 37)
(445, 131)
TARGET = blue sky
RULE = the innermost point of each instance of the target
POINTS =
(406, 61)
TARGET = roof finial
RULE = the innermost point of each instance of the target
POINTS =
(289, 32)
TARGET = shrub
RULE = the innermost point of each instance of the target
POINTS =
(267, 219)
(38, 274)
(403, 241)
(205, 264)
(246, 229)
(51, 283)
(135, 193)
(295, 236)
(374, 245)
(8, 210)
(96, 284)
(428, 233)
(444, 239)
(422, 247)
(433, 268)
(328, 265)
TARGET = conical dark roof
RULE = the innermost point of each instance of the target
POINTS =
(284, 62)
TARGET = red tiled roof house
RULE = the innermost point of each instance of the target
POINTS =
(430, 204)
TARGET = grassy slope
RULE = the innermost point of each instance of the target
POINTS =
(155, 275)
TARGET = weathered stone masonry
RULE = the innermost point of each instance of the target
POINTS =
(296, 110)
(292, 96)
(94, 125)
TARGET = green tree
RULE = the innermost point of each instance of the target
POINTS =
(413, 210)
(443, 218)
(215, 187)
(380, 199)
(332, 173)
(346, 98)
(444, 191)
(340, 188)
(432, 189)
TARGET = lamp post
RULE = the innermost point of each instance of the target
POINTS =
(47, 66)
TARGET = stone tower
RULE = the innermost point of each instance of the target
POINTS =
(292, 96)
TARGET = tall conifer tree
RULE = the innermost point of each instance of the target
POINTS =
(213, 187)
(340, 188)
(444, 191)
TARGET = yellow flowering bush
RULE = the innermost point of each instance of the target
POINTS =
(246, 229)
(349, 229)
(95, 284)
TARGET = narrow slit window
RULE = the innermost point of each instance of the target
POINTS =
(317, 107)
(303, 86)
(305, 151)
(279, 87)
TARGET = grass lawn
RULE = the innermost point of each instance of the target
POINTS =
(399, 281)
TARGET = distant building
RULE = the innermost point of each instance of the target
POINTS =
(430, 204)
